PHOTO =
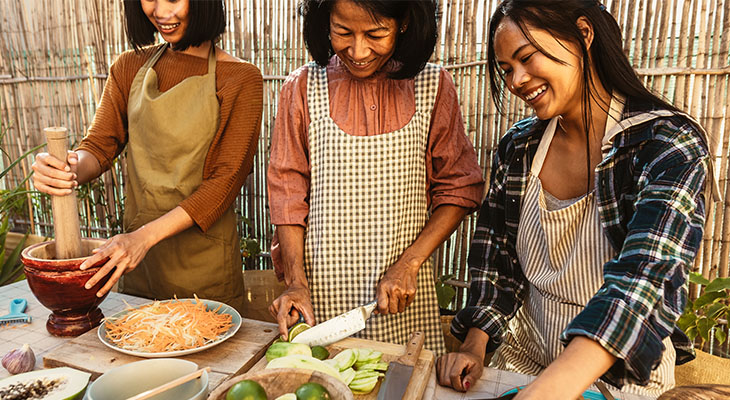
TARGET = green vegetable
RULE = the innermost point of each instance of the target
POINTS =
(364, 385)
(346, 358)
(348, 375)
(246, 390)
(320, 353)
(378, 366)
(281, 349)
(304, 362)
(312, 391)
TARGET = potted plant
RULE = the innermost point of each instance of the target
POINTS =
(709, 313)
(10, 267)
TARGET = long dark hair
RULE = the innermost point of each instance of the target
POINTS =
(207, 23)
(413, 47)
(559, 17)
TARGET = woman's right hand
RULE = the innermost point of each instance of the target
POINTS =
(286, 308)
(53, 176)
(459, 370)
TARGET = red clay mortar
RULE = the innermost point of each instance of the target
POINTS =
(59, 285)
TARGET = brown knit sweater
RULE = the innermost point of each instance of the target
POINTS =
(239, 88)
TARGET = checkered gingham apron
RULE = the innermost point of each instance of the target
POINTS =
(562, 252)
(367, 205)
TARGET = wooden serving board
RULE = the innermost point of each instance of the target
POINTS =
(232, 357)
(421, 371)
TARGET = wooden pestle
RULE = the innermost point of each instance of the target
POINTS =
(65, 209)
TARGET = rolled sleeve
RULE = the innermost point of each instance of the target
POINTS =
(288, 175)
(454, 175)
(497, 283)
(644, 290)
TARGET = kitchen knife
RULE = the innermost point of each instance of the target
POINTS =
(400, 371)
(336, 328)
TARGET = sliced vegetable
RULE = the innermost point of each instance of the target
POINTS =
(287, 396)
(167, 326)
(304, 362)
(347, 375)
(379, 366)
(281, 349)
(346, 358)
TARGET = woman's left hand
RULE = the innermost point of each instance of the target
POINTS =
(125, 251)
(397, 289)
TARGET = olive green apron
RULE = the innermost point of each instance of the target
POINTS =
(169, 137)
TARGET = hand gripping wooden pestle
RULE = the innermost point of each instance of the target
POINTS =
(65, 209)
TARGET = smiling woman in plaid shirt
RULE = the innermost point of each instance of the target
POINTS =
(593, 217)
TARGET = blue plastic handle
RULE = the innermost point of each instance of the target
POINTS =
(17, 306)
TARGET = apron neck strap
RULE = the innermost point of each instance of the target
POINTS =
(211, 59)
(156, 56)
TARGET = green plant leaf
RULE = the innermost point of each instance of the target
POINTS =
(703, 326)
(715, 310)
(720, 335)
(691, 333)
(19, 159)
(698, 279)
(707, 298)
(10, 267)
(687, 320)
(445, 293)
(718, 284)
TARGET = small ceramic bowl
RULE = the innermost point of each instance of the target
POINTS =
(134, 378)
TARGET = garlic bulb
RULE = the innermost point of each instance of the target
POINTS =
(19, 360)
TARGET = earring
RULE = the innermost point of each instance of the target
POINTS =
(403, 29)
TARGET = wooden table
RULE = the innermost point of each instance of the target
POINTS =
(492, 383)
(232, 357)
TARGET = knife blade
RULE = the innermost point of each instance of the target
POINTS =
(336, 328)
(399, 371)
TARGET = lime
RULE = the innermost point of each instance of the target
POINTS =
(312, 391)
(320, 353)
(297, 329)
(246, 390)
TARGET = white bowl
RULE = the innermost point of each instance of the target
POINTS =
(134, 378)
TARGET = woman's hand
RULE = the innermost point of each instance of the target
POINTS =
(459, 370)
(53, 176)
(397, 289)
(124, 251)
(286, 308)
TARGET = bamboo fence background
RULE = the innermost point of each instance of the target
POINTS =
(55, 56)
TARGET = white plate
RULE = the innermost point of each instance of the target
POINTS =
(210, 304)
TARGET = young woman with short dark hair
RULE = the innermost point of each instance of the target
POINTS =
(188, 115)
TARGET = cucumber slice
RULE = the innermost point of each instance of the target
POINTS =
(71, 382)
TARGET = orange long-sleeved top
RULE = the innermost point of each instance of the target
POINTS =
(239, 88)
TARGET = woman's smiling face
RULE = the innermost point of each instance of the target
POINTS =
(363, 43)
(170, 17)
(549, 87)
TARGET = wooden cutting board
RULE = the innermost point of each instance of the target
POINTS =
(421, 371)
(232, 357)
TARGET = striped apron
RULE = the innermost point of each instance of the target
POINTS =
(367, 205)
(562, 249)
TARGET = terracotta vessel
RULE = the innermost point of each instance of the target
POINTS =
(59, 285)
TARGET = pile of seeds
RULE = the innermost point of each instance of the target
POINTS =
(35, 389)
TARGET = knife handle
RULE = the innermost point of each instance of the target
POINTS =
(413, 349)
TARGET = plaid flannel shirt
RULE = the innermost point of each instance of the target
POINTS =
(649, 191)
